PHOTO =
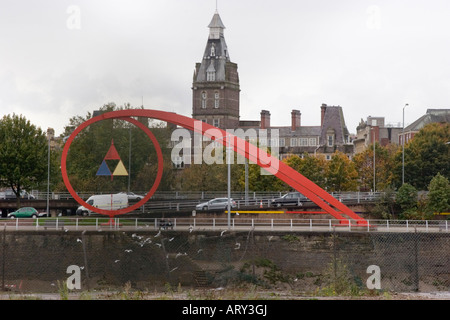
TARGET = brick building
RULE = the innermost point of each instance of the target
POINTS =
(216, 91)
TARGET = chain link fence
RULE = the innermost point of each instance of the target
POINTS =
(147, 259)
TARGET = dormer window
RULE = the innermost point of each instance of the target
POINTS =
(213, 50)
(211, 72)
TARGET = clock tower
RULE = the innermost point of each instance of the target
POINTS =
(215, 88)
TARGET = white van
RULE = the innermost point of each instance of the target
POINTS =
(105, 202)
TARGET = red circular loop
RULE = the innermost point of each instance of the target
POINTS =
(124, 210)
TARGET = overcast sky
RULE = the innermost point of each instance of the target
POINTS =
(64, 58)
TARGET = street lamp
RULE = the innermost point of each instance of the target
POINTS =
(228, 178)
(403, 146)
(374, 184)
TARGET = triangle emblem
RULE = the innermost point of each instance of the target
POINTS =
(120, 170)
(103, 170)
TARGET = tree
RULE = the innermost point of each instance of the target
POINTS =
(384, 159)
(23, 154)
(439, 194)
(426, 155)
(407, 197)
(310, 166)
(341, 173)
(91, 145)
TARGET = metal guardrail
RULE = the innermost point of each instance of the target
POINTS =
(207, 195)
(237, 224)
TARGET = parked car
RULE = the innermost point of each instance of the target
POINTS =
(105, 202)
(9, 194)
(132, 196)
(217, 203)
(26, 212)
(291, 198)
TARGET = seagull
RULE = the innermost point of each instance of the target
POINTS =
(221, 234)
(191, 228)
(158, 244)
(173, 269)
(79, 240)
(238, 245)
(171, 239)
(199, 250)
(159, 233)
(270, 238)
(128, 250)
(115, 261)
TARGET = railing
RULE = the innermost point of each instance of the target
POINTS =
(236, 224)
(207, 195)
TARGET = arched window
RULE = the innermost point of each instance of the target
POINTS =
(216, 99)
(204, 96)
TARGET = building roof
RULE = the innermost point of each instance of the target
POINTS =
(432, 116)
(216, 22)
(334, 119)
(216, 53)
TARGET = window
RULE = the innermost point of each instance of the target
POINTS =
(303, 142)
(204, 96)
(216, 122)
(293, 142)
(211, 76)
(330, 141)
(312, 142)
(216, 100)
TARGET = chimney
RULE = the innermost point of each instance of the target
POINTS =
(295, 119)
(322, 114)
(265, 119)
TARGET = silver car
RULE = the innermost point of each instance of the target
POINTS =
(217, 203)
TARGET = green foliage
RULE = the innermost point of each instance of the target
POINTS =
(385, 206)
(91, 145)
(23, 154)
(384, 160)
(426, 155)
(341, 173)
(407, 197)
(265, 272)
(439, 194)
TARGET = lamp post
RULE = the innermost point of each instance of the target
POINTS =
(374, 183)
(228, 177)
(403, 146)
(48, 175)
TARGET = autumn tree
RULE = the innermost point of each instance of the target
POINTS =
(364, 165)
(341, 174)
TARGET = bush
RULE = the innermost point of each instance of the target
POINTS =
(439, 194)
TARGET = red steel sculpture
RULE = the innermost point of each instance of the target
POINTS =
(278, 168)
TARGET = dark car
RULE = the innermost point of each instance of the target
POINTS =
(291, 198)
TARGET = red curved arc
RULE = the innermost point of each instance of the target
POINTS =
(282, 171)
